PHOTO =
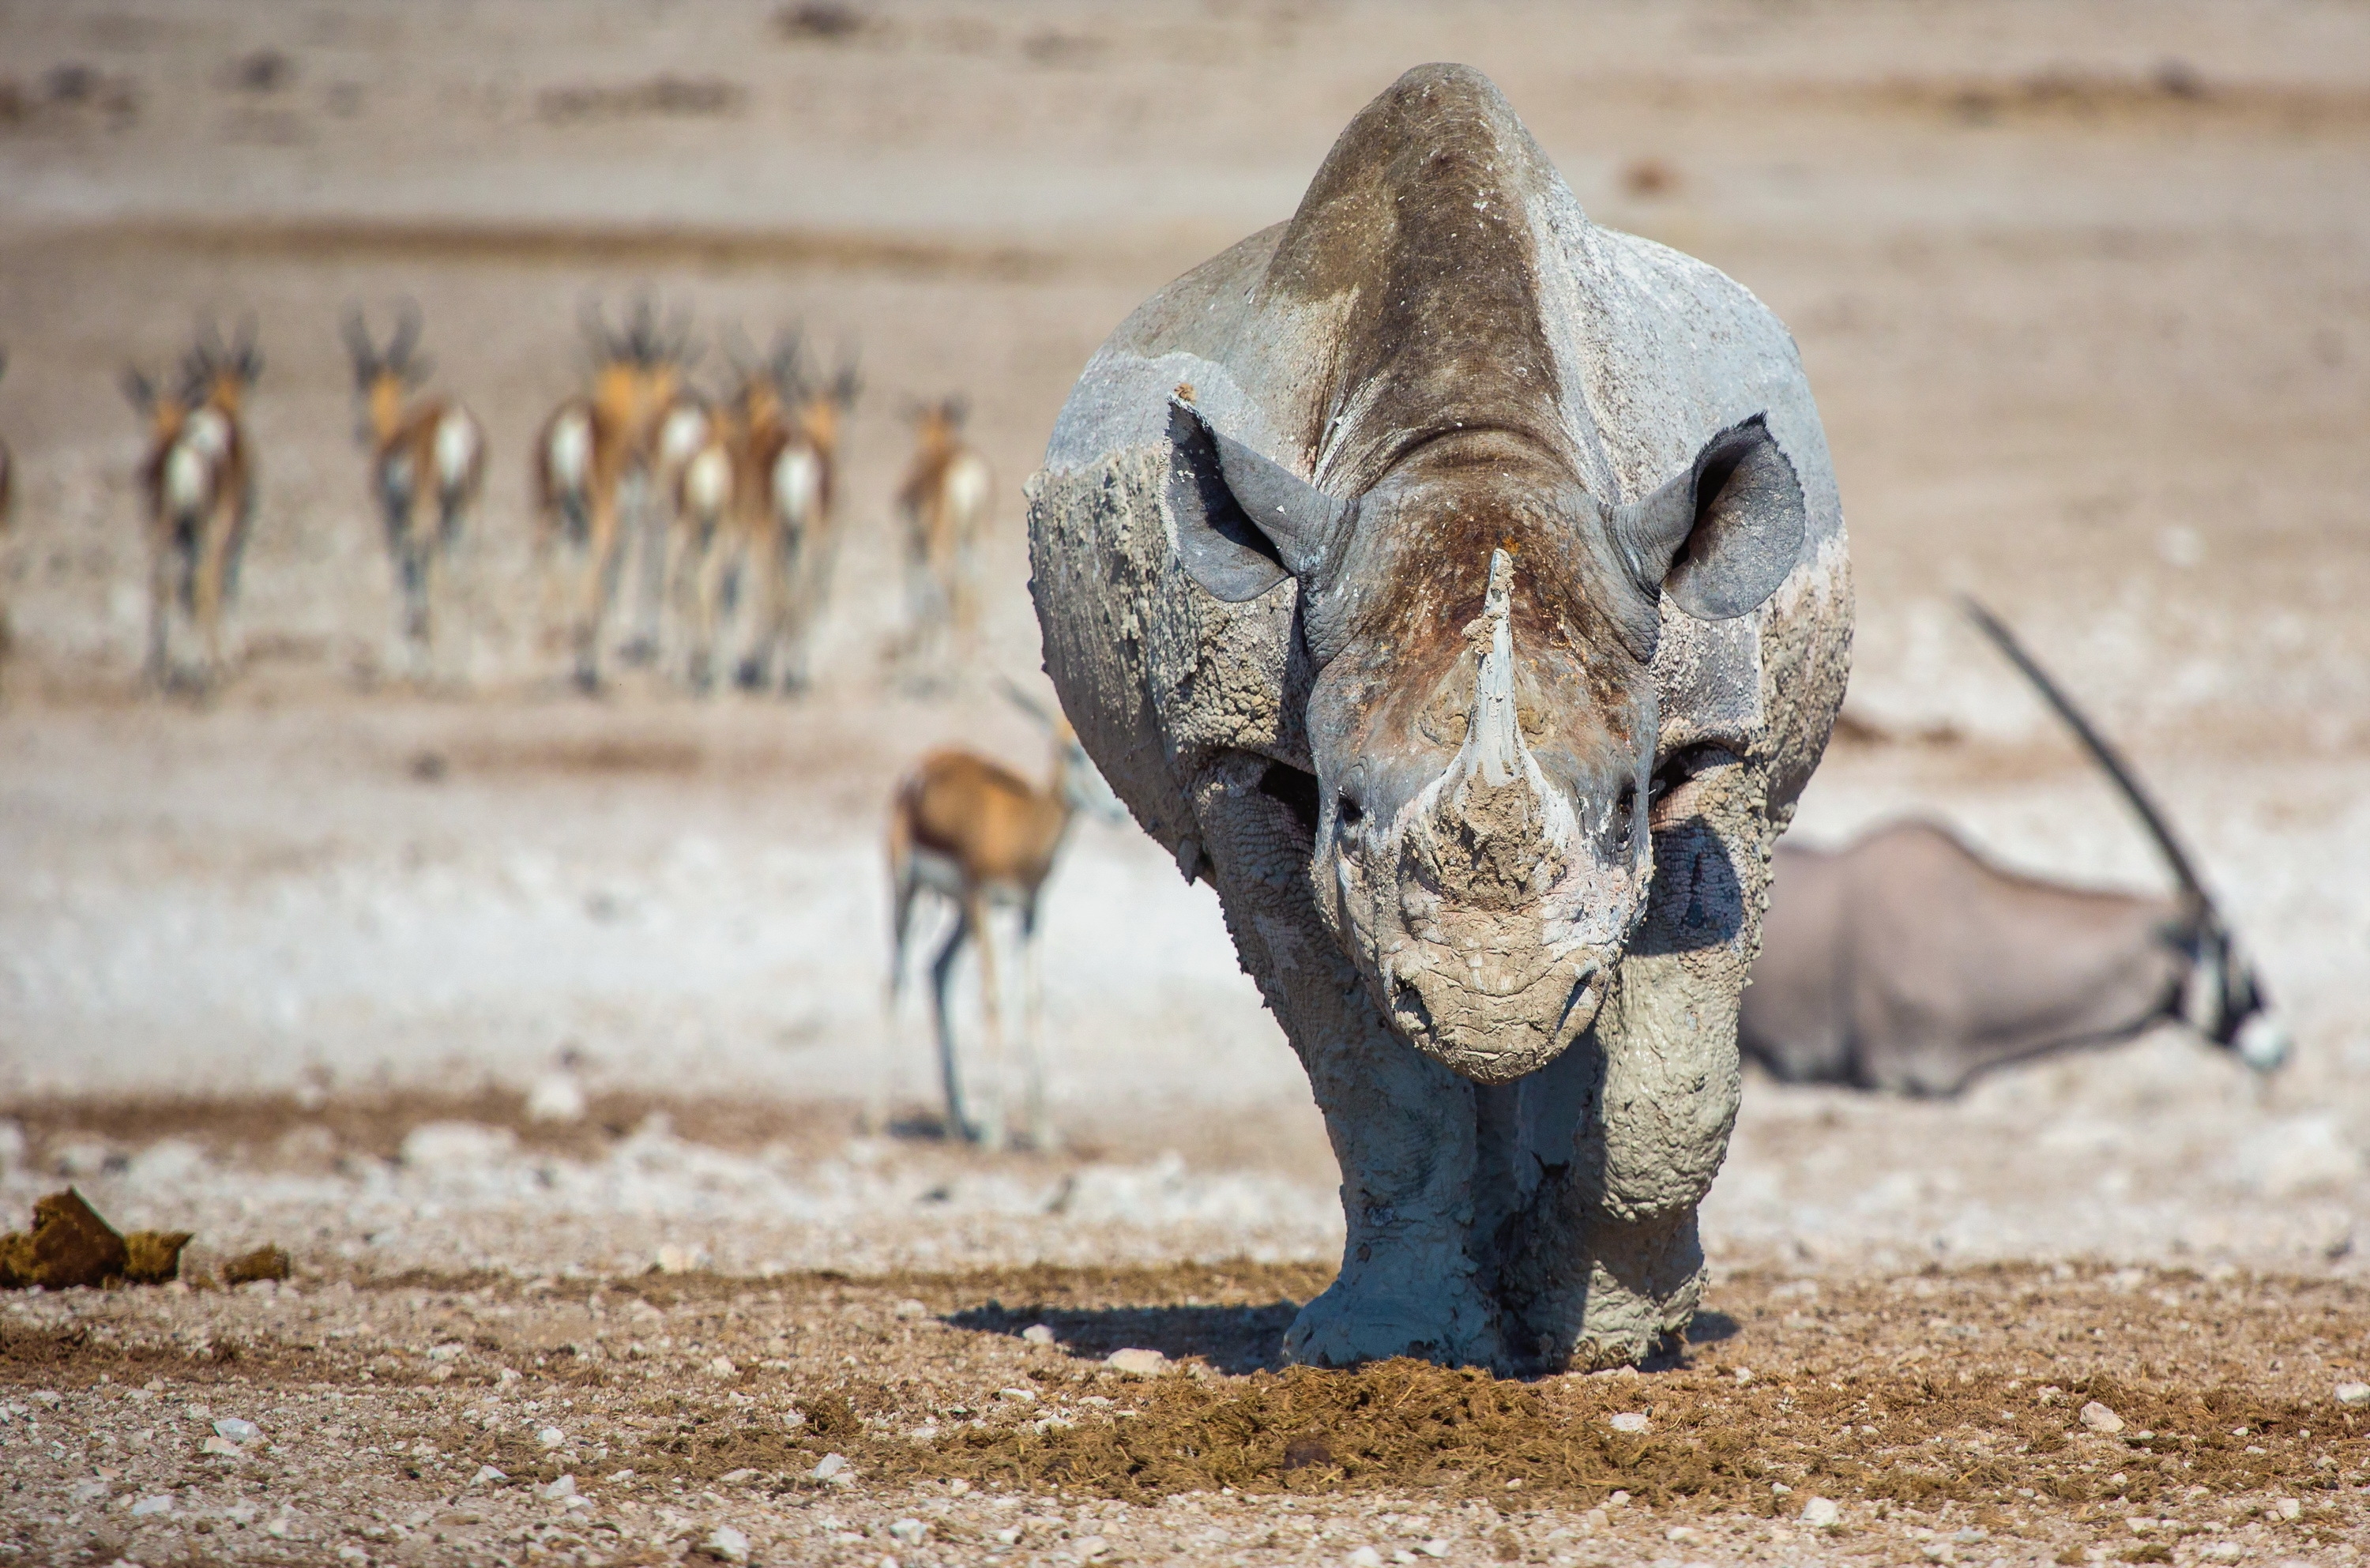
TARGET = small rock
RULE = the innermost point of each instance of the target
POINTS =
(1365, 1557)
(1436, 1547)
(726, 1545)
(1628, 1421)
(832, 1468)
(742, 1477)
(564, 1487)
(551, 1437)
(675, 1260)
(555, 1097)
(1822, 1513)
(1025, 1396)
(1744, 1374)
(265, 1262)
(222, 1446)
(1617, 1499)
(1038, 1333)
(722, 1368)
(910, 1531)
(2288, 1508)
(1090, 1548)
(910, 1307)
(238, 1431)
(148, 1505)
(2098, 1418)
(487, 1475)
(2353, 1393)
(1680, 1533)
(1137, 1363)
(1939, 1551)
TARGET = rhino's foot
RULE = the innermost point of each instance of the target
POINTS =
(1448, 1321)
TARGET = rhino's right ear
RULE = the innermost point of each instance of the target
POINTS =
(1244, 521)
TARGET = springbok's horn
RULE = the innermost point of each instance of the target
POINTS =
(1023, 701)
(407, 334)
(358, 340)
(2104, 754)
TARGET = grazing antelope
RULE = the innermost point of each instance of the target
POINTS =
(198, 479)
(1907, 961)
(592, 465)
(981, 837)
(944, 501)
(427, 447)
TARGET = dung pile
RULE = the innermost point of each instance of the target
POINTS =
(70, 1245)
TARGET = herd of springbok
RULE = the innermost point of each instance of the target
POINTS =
(692, 528)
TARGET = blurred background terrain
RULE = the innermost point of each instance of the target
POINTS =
(2084, 291)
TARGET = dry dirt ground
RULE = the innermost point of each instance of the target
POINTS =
(537, 1029)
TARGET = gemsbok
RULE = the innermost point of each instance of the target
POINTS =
(423, 450)
(198, 479)
(983, 838)
(944, 503)
(1907, 961)
(593, 465)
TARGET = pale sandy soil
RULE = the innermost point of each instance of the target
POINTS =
(2080, 288)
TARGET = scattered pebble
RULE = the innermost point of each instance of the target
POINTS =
(555, 1097)
(1089, 1549)
(2288, 1508)
(487, 1475)
(236, 1430)
(832, 1468)
(2098, 1418)
(1365, 1557)
(1436, 1547)
(564, 1487)
(1025, 1396)
(1628, 1421)
(222, 1446)
(1822, 1513)
(726, 1545)
(910, 1531)
(1744, 1374)
(148, 1505)
(2353, 1393)
(1043, 1333)
(722, 1368)
(551, 1437)
(1137, 1363)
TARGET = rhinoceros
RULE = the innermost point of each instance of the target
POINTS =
(1459, 588)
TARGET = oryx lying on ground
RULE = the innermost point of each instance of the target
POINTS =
(982, 837)
(1907, 961)
(1460, 588)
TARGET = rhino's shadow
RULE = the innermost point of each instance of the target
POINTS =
(1231, 1339)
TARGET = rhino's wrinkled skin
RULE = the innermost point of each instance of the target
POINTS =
(1460, 589)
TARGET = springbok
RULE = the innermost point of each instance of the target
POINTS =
(197, 480)
(721, 553)
(592, 464)
(1907, 961)
(803, 484)
(418, 448)
(983, 838)
(944, 501)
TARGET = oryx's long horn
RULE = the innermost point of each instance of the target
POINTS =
(2103, 754)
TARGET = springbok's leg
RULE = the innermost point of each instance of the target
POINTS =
(942, 974)
(1414, 1276)
(596, 581)
(213, 563)
(878, 1097)
(994, 1130)
(1032, 1039)
(643, 554)
(161, 554)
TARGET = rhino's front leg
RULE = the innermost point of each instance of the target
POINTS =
(1402, 1126)
(1631, 1124)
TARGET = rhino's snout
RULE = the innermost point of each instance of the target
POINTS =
(1495, 902)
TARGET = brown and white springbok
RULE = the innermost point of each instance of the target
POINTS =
(720, 560)
(982, 838)
(944, 503)
(424, 449)
(803, 485)
(197, 480)
(592, 465)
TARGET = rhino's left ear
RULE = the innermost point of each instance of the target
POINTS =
(1722, 536)
(1244, 521)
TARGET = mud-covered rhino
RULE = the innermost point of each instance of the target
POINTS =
(1460, 589)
